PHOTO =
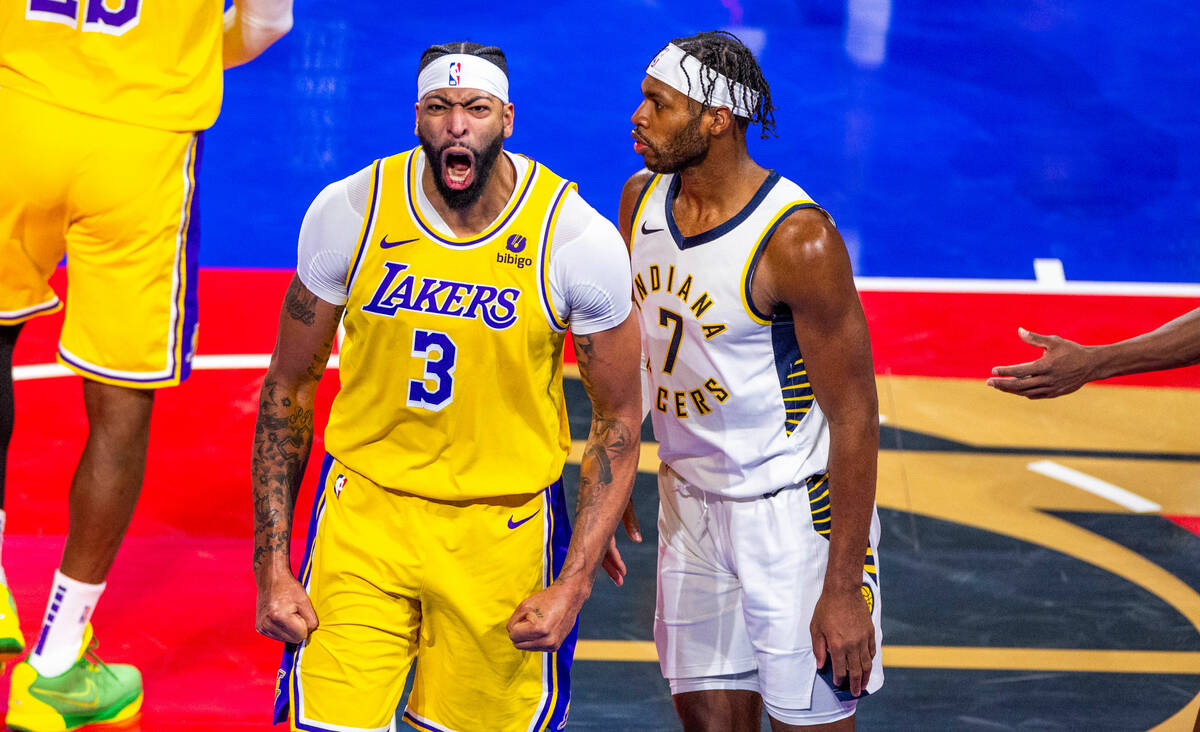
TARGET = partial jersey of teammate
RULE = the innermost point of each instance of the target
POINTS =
(102, 107)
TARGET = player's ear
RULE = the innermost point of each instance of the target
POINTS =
(416, 118)
(721, 120)
(509, 114)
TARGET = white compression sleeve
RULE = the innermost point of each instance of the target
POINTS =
(329, 235)
(590, 281)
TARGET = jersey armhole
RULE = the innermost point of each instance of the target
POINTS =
(639, 205)
(368, 226)
(756, 254)
(547, 237)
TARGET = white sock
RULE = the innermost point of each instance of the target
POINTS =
(67, 613)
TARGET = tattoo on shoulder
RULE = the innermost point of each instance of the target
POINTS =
(300, 304)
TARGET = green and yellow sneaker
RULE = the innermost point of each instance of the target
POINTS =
(90, 692)
(11, 641)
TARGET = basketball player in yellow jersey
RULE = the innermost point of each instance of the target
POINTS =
(102, 104)
(439, 532)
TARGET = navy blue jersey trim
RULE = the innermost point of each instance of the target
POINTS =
(762, 246)
(637, 205)
(687, 242)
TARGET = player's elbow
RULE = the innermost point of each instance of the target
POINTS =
(250, 35)
(275, 28)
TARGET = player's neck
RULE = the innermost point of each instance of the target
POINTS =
(473, 219)
(716, 190)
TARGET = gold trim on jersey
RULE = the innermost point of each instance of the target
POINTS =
(645, 196)
(511, 209)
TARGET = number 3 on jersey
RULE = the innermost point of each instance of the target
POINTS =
(440, 356)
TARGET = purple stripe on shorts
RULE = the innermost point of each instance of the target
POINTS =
(191, 267)
(33, 311)
(560, 539)
(408, 717)
(89, 369)
(287, 666)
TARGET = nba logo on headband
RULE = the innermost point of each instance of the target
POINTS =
(463, 71)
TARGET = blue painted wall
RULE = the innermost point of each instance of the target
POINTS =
(948, 139)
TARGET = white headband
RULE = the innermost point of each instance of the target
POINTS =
(456, 70)
(682, 72)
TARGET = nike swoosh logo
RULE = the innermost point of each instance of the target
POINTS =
(514, 524)
(87, 698)
(385, 244)
(648, 231)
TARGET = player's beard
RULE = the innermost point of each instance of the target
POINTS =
(684, 150)
(484, 163)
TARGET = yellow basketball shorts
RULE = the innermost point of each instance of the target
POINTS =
(395, 578)
(119, 201)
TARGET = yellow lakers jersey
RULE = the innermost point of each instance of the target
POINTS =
(451, 365)
(155, 63)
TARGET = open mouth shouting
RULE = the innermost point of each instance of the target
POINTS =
(458, 167)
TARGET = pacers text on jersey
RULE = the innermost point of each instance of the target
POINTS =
(677, 402)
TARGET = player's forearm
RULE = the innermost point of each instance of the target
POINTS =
(1173, 345)
(251, 26)
(282, 441)
(852, 473)
(606, 475)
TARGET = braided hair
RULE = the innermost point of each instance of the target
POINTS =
(727, 55)
(487, 53)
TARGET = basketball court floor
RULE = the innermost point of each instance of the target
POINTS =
(1001, 164)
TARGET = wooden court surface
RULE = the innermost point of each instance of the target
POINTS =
(1012, 599)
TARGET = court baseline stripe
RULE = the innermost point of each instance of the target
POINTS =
(1095, 486)
(223, 362)
(1025, 287)
(256, 361)
(963, 657)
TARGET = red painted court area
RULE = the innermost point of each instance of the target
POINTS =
(180, 602)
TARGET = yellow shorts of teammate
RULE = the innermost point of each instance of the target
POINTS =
(396, 578)
(119, 201)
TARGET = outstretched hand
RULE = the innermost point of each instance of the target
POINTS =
(1063, 367)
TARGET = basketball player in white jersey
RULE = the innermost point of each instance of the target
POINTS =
(763, 400)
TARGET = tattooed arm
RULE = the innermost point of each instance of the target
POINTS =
(282, 438)
(608, 365)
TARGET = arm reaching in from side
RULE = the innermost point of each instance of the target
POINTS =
(608, 363)
(1065, 365)
(282, 440)
(251, 26)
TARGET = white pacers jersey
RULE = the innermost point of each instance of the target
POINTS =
(733, 410)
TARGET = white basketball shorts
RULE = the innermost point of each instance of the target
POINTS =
(738, 580)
